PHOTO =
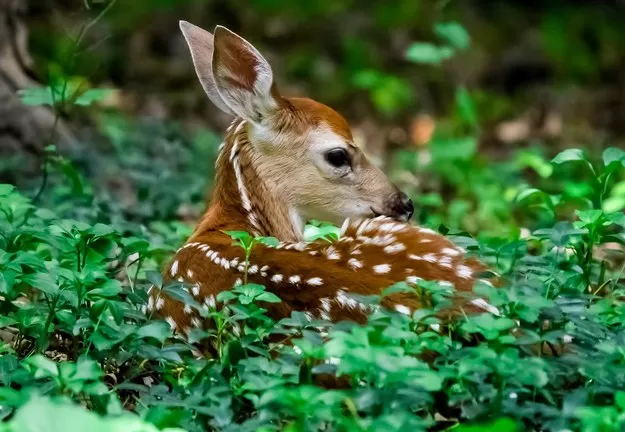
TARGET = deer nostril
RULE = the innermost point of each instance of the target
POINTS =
(406, 204)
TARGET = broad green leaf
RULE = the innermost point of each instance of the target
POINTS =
(569, 155)
(462, 148)
(42, 366)
(43, 282)
(427, 53)
(92, 95)
(268, 297)
(155, 278)
(454, 33)
(613, 154)
(110, 288)
(158, 330)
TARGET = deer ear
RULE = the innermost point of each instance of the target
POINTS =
(201, 46)
(243, 77)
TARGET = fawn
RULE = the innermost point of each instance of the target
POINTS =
(285, 160)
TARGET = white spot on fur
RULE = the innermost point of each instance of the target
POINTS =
(464, 271)
(238, 282)
(427, 231)
(313, 252)
(445, 262)
(252, 269)
(415, 257)
(277, 278)
(150, 306)
(395, 248)
(187, 309)
(345, 301)
(430, 257)
(174, 268)
(190, 274)
(171, 322)
(402, 309)
(344, 227)
(450, 251)
(196, 322)
(295, 279)
(381, 268)
(483, 304)
(195, 289)
(160, 303)
(316, 281)
(326, 304)
(332, 253)
(413, 279)
(210, 301)
(354, 263)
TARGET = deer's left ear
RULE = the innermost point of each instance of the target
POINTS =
(243, 77)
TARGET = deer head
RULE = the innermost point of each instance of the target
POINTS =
(301, 152)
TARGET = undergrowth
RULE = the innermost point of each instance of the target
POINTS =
(80, 353)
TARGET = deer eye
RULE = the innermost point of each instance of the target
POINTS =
(337, 157)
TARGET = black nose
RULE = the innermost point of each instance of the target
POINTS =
(406, 205)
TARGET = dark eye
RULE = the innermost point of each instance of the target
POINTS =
(337, 157)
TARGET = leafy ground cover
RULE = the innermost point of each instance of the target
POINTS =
(80, 246)
(80, 353)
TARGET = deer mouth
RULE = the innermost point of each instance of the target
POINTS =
(399, 217)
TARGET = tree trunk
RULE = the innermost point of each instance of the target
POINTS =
(24, 130)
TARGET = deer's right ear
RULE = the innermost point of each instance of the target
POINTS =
(243, 77)
(201, 46)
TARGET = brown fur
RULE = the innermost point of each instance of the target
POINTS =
(271, 176)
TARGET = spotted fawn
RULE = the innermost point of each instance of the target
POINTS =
(283, 161)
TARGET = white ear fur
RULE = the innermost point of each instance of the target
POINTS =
(201, 45)
(243, 77)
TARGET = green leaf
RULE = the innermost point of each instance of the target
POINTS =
(453, 33)
(568, 156)
(6, 189)
(110, 288)
(36, 96)
(92, 95)
(466, 107)
(155, 278)
(42, 366)
(463, 148)
(268, 241)
(62, 92)
(158, 330)
(268, 297)
(613, 154)
(427, 53)
(43, 282)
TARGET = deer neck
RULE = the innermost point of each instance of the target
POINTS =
(243, 198)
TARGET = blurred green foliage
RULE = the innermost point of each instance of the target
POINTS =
(76, 260)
